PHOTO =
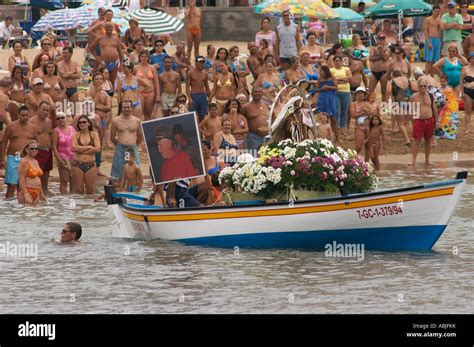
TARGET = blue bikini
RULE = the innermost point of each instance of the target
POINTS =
(132, 87)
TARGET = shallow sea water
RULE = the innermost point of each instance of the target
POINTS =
(107, 275)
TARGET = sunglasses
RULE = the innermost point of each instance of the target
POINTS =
(33, 148)
(181, 101)
(423, 86)
(83, 122)
(59, 118)
(45, 44)
(452, 50)
(65, 231)
(381, 38)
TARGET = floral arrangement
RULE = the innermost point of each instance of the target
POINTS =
(315, 165)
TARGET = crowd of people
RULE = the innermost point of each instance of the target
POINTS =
(43, 115)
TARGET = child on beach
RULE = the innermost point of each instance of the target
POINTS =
(324, 130)
(132, 180)
(376, 139)
(211, 124)
(264, 49)
(445, 87)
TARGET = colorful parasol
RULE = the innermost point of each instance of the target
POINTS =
(156, 22)
(298, 8)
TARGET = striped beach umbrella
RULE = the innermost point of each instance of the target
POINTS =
(156, 22)
(63, 19)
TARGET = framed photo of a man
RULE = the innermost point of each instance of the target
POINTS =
(174, 148)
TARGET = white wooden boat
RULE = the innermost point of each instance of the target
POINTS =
(410, 218)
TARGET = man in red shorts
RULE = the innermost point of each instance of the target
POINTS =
(44, 129)
(425, 122)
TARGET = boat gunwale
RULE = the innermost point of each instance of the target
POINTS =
(159, 209)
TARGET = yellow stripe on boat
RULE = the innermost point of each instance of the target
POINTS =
(292, 210)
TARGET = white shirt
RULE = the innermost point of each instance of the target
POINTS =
(6, 32)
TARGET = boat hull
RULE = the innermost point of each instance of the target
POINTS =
(404, 219)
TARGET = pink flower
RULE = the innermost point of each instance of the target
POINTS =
(292, 172)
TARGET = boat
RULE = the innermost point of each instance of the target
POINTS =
(404, 219)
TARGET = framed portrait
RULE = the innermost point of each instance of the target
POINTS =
(174, 148)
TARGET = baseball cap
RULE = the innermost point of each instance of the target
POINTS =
(361, 89)
(418, 71)
(163, 133)
(200, 59)
(451, 4)
(37, 80)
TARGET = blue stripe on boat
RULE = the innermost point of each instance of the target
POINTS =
(443, 183)
(415, 238)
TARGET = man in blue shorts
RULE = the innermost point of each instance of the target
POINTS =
(431, 29)
(197, 88)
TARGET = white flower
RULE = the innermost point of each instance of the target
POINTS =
(335, 157)
(245, 158)
(342, 184)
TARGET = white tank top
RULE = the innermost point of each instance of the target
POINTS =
(287, 34)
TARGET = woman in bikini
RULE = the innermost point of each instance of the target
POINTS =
(240, 126)
(128, 89)
(133, 33)
(225, 143)
(467, 81)
(224, 88)
(399, 63)
(85, 145)
(52, 84)
(240, 70)
(62, 149)
(222, 56)
(18, 92)
(107, 86)
(378, 58)
(149, 95)
(399, 88)
(314, 49)
(138, 46)
(29, 173)
(19, 59)
(270, 81)
(358, 111)
(103, 106)
(39, 71)
(294, 73)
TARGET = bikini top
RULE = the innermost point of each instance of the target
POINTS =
(227, 145)
(468, 79)
(16, 88)
(215, 168)
(48, 87)
(148, 75)
(33, 171)
(207, 64)
(125, 87)
(227, 83)
(312, 77)
(91, 141)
